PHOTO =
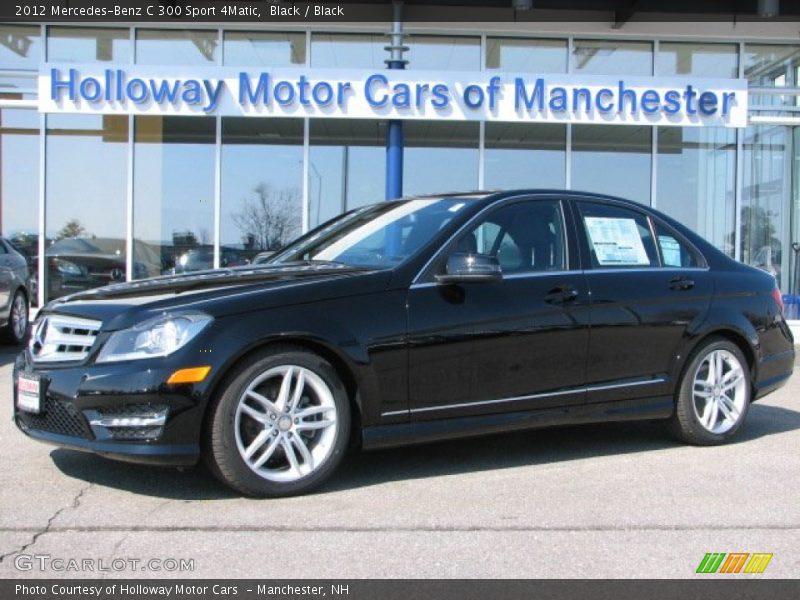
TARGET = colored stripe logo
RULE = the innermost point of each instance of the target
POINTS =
(734, 562)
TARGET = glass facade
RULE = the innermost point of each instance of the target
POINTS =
(131, 197)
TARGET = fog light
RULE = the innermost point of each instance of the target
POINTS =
(131, 422)
(193, 375)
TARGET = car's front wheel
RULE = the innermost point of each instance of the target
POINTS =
(280, 426)
(714, 394)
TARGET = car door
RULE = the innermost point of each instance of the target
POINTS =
(649, 287)
(512, 345)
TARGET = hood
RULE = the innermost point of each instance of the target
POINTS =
(219, 292)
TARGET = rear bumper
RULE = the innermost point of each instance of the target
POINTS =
(773, 372)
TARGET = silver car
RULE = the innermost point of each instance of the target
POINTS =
(14, 294)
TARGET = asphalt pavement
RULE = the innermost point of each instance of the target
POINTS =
(611, 500)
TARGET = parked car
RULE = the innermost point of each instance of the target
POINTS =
(75, 264)
(15, 294)
(405, 322)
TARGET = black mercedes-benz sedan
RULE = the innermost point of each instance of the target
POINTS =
(410, 321)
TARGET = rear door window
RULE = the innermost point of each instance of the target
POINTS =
(617, 237)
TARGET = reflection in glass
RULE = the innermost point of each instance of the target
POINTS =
(20, 50)
(765, 203)
(88, 44)
(173, 195)
(612, 159)
(440, 156)
(525, 155)
(347, 166)
(269, 49)
(359, 51)
(526, 56)
(696, 181)
(600, 57)
(262, 186)
(443, 53)
(771, 65)
(86, 177)
(699, 60)
(19, 181)
(176, 47)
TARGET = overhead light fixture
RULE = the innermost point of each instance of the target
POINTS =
(768, 8)
(522, 4)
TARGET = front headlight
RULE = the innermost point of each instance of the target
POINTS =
(159, 336)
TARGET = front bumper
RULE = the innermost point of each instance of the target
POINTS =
(80, 401)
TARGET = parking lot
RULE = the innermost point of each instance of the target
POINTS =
(616, 500)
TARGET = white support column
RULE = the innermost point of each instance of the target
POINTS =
(306, 217)
(218, 167)
(737, 217)
(129, 189)
(482, 129)
(42, 224)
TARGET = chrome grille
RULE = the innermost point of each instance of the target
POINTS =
(58, 338)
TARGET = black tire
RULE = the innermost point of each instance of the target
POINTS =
(10, 333)
(222, 454)
(685, 424)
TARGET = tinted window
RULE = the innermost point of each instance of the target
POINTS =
(525, 237)
(674, 251)
(617, 237)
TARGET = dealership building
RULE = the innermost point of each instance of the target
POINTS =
(132, 150)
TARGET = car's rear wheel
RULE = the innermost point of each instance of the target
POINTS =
(280, 426)
(714, 394)
(17, 327)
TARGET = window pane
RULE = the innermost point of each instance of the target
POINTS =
(599, 57)
(176, 47)
(617, 237)
(701, 60)
(19, 181)
(85, 201)
(347, 166)
(19, 50)
(348, 51)
(85, 44)
(525, 155)
(440, 156)
(250, 48)
(771, 65)
(173, 194)
(443, 53)
(262, 184)
(612, 159)
(765, 203)
(674, 253)
(524, 237)
(526, 56)
(21, 47)
(697, 180)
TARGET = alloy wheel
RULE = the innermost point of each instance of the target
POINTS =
(718, 392)
(285, 423)
(19, 316)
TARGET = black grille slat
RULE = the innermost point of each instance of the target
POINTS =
(58, 417)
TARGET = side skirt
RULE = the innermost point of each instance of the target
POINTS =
(403, 434)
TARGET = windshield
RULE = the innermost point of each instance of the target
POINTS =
(382, 235)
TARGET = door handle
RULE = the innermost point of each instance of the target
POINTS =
(681, 283)
(561, 295)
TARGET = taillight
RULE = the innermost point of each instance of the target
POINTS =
(776, 295)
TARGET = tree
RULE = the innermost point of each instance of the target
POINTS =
(269, 218)
(71, 229)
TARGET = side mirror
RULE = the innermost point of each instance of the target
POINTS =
(471, 268)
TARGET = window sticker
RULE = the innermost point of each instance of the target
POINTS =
(670, 251)
(616, 241)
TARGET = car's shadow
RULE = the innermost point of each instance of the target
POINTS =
(545, 446)
(8, 354)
